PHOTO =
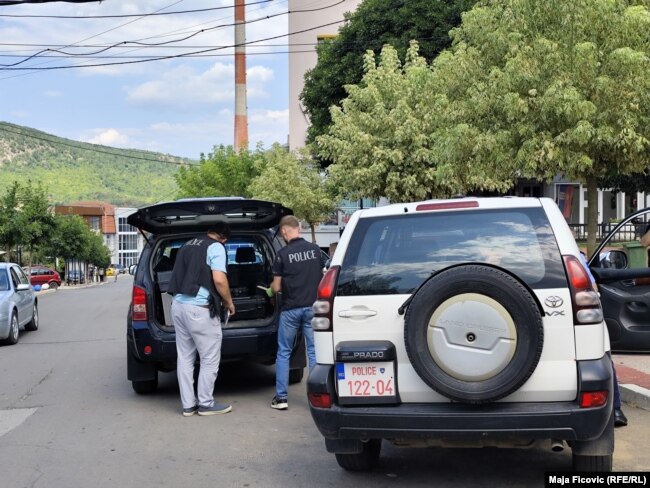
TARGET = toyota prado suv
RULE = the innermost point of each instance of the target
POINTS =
(251, 334)
(461, 322)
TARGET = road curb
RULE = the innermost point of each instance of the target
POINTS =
(635, 395)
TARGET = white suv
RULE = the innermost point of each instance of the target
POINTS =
(461, 322)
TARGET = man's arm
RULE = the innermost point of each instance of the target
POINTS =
(276, 284)
(220, 280)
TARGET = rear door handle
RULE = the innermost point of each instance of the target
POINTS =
(357, 313)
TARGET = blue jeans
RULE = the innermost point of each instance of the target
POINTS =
(291, 321)
(617, 392)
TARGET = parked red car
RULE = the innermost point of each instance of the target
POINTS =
(42, 274)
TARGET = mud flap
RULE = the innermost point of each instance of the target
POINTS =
(602, 446)
(343, 446)
(138, 371)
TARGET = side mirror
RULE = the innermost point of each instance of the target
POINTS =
(613, 259)
(23, 287)
(132, 269)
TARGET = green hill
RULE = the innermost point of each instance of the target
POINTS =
(73, 171)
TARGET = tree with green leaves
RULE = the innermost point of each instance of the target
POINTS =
(295, 182)
(374, 24)
(532, 89)
(71, 239)
(98, 253)
(12, 224)
(38, 218)
(550, 87)
(381, 139)
(223, 172)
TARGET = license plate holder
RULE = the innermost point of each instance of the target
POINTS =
(366, 382)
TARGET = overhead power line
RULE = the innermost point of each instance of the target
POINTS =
(11, 66)
(149, 58)
(121, 25)
(160, 58)
(122, 16)
(83, 146)
(21, 2)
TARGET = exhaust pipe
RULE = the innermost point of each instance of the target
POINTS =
(557, 445)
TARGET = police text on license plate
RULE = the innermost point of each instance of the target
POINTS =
(365, 379)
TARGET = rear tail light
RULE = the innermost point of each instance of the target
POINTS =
(586, 303)
(324, 304)
(139, 304)
(320, 400)
(590, 399)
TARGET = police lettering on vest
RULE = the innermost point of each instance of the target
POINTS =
(297, 257)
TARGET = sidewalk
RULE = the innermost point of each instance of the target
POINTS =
(633, 371)
(64, 287)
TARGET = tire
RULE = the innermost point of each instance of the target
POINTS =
(145, 387)
(362, 461)
(33, 324)
(296, 375)
(53, 285)
(474, 333)
(12, 338)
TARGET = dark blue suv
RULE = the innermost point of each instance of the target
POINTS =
(251, 333)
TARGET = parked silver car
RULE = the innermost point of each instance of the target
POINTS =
(18, 303)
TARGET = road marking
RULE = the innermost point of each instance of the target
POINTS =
(10, 419)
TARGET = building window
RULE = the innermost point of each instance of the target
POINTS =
(93, 223)
(128, 242)
(127, 258)
(124, 227)
(325, 37)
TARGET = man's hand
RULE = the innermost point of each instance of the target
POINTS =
(230, 306)
(269, 291)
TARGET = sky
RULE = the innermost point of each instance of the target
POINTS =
(182, 106)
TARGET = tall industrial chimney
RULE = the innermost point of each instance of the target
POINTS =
(241, 118)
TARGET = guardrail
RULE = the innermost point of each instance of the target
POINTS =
(629, 232)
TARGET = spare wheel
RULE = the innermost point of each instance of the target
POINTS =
(473, 333)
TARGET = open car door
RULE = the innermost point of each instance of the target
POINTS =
(620, 267)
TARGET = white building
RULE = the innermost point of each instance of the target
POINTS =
(128, 241)
(299, 61)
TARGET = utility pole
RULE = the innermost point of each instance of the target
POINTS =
(241, 117)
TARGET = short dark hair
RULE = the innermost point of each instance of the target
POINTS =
(290, 221)
(222, 228)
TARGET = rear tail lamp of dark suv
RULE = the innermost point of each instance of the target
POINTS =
(324, 304)
(586, 302)
(139, 304)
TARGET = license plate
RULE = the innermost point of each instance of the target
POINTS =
(365, 379)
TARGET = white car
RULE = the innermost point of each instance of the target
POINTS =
(18, 303)
(461, 322)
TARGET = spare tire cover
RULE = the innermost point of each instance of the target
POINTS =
(473, 333)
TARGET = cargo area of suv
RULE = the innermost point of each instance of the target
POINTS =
(249, 266)
(251, 333)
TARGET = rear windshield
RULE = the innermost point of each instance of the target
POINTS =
(394, 255)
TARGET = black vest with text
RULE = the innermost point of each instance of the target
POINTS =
(300, 264)
(191, 270)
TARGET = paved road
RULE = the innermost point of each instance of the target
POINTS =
(68, 419)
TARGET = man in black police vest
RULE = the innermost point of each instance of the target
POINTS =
(199, 284)
(297, 271)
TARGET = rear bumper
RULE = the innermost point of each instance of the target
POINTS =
(237, 343)
(557, 420)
